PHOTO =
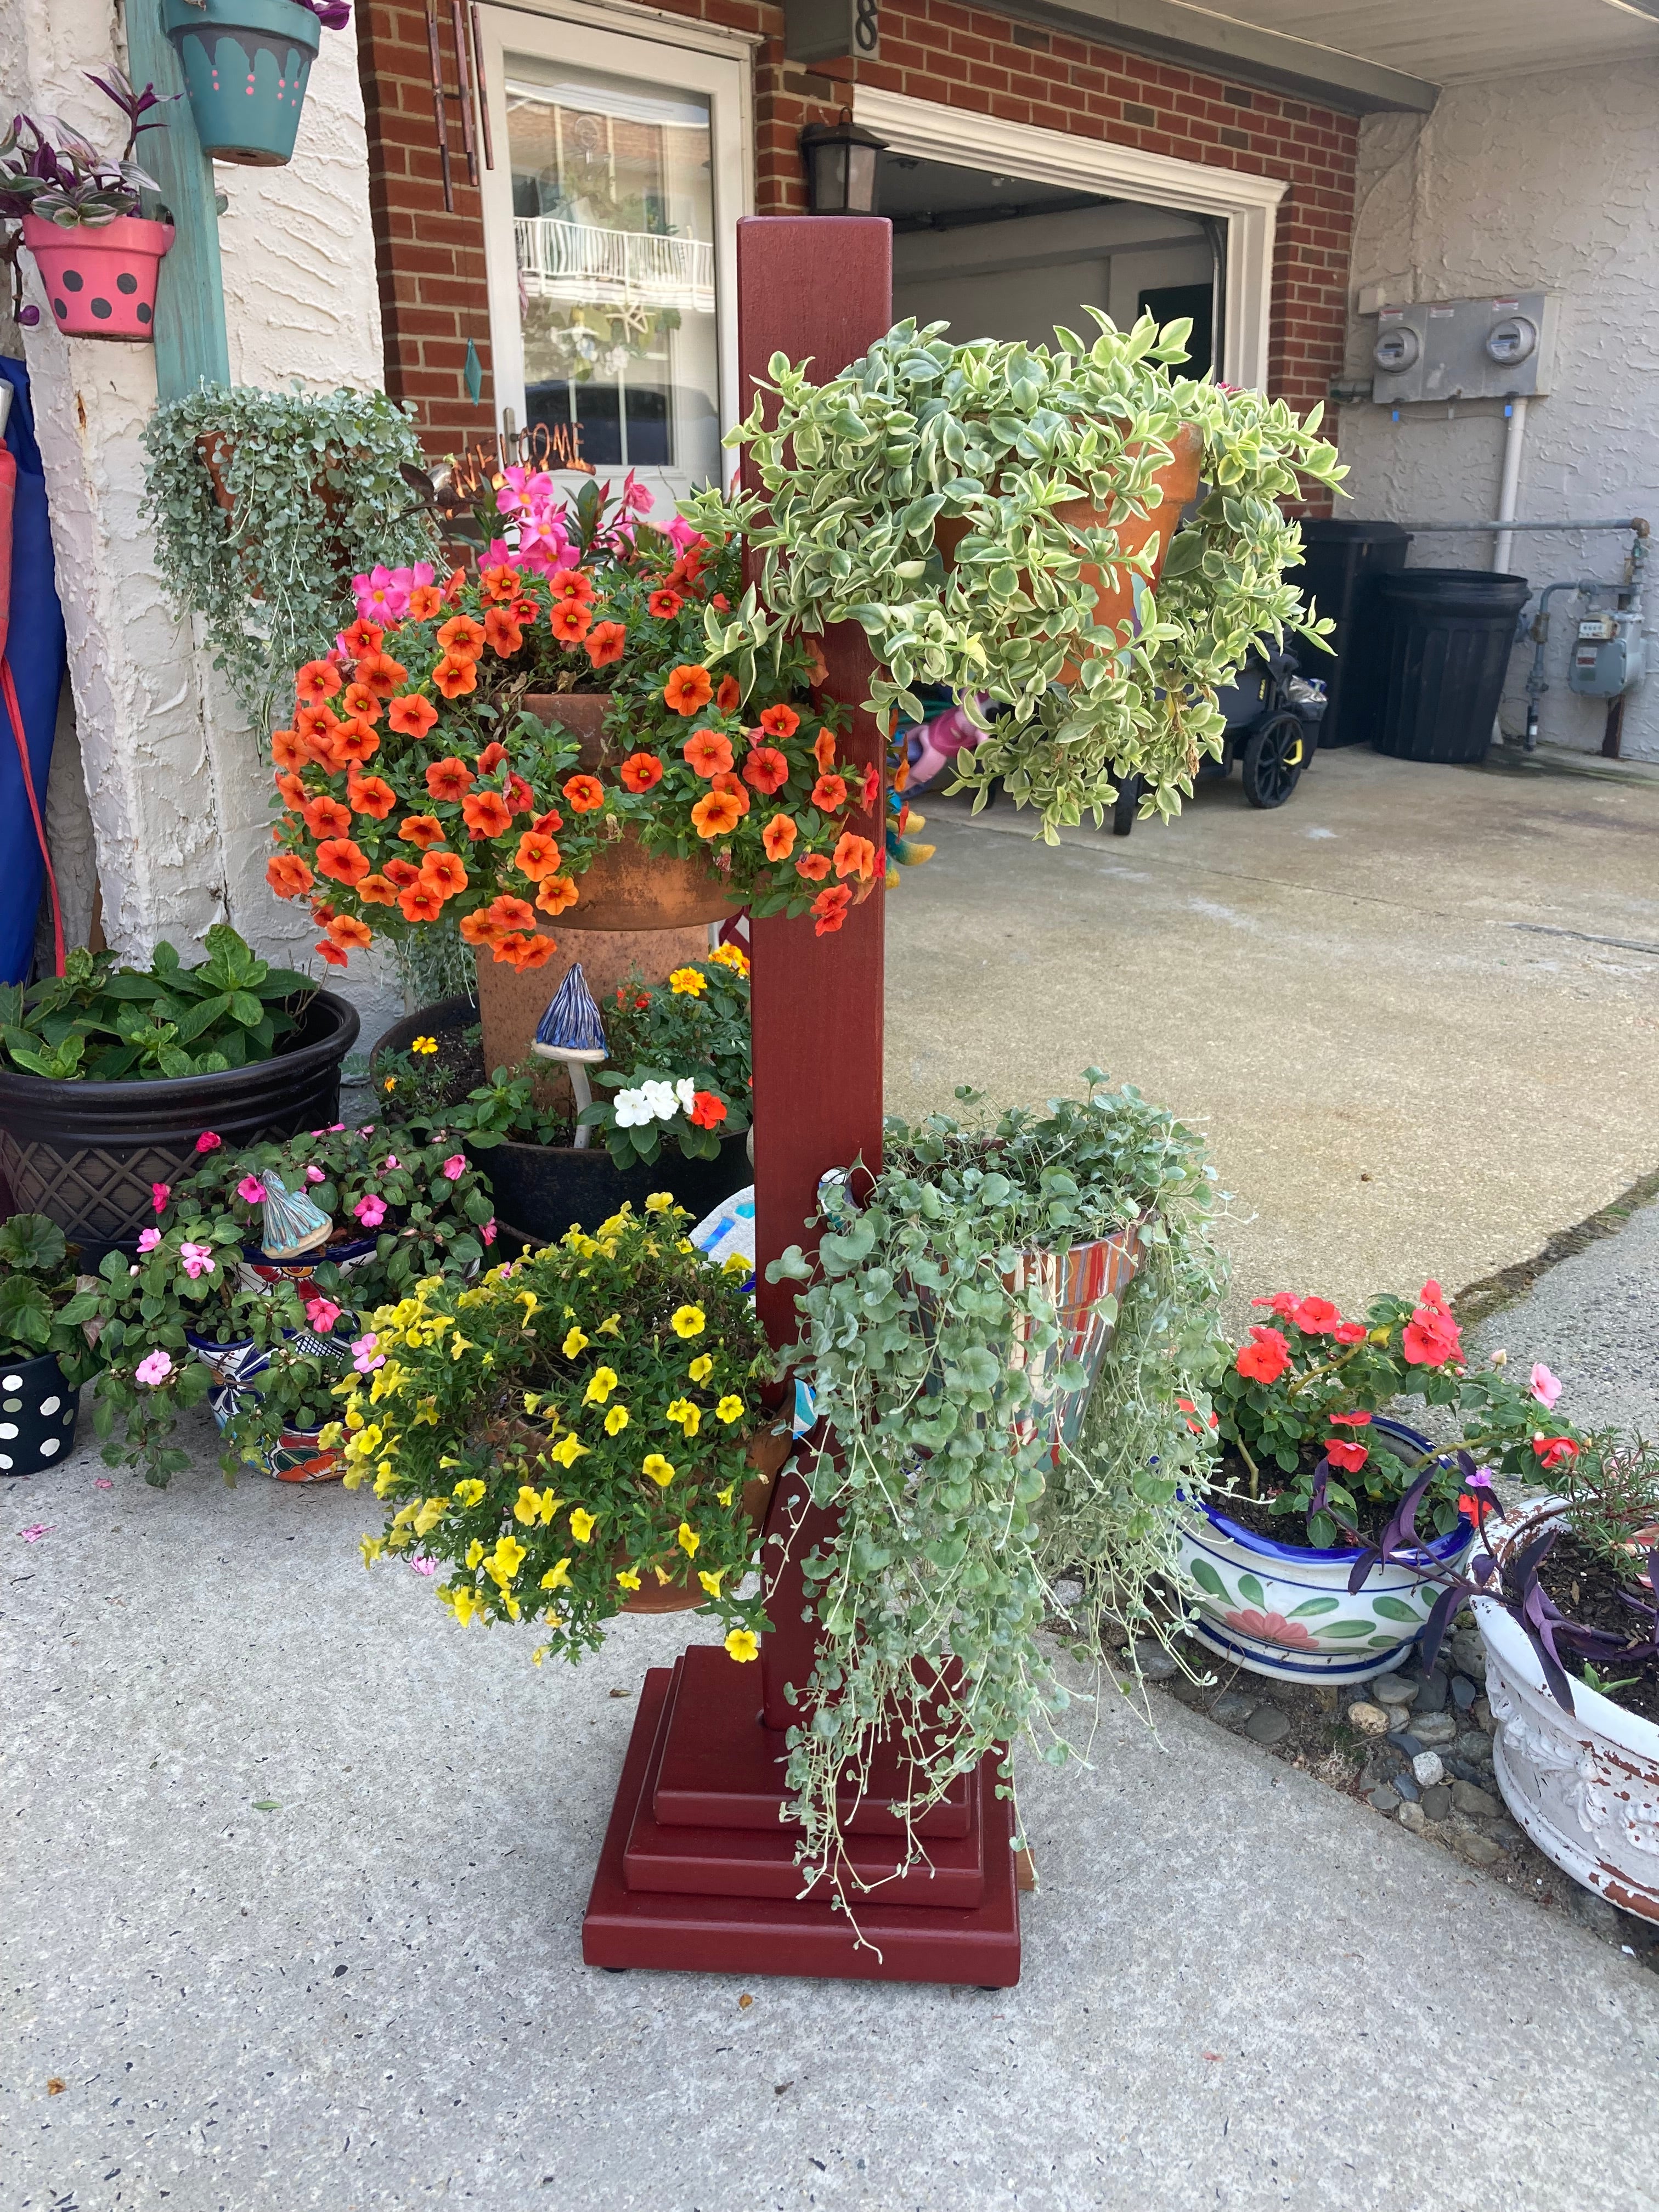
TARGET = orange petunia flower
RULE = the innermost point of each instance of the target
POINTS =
(570, 583)
(486, 814)
(424, 601)
(779, 837)
(292, 788)
(422, 830)
(418, 902)
(354, 934)
(818, 669)
(359, 700)
(606, 642)
(454, 585)
(411, 716)
(815, 867)
(355, 741)
(717, 815)
(462, 638)
(766, 769)
(400, 873)
(481, 927)
(855, 856)
(288, 875)
(455, 675)
(730, 784)
(688, 688)
(448, 780)
(640, 772)
(333, 955)
(443, 872)
(526, 952)
(326, 817)
(372, 795)
(378, 890)
(570, 620)
(729, 696)
(311, 723)
(707, 753)
(518, 795)
(512, 913)
(549, 823)
(829, 792)
(289, 750)
(830, 909)
(780, 721)
(665, 604)
(585, 794)
(363, 638)
(557, 893)
(503, 633)
(538, 857)
(491, 757)
(382, 673)
(317, 681)
(343, 859)
(824, 749)
(502, 583)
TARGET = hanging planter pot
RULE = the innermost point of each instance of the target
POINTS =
(245, 64)
(1076, 1282)
(100, 277)
(38, 1411)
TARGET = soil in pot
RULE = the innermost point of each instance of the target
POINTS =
(1371, 1515)
(1588, 1588)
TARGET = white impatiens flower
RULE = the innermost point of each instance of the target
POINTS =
(686, 1092)
(654, 1102)
(660, 1097)
(633, 1110)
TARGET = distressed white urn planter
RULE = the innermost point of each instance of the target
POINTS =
(1583, 1784)
(1283, 1610)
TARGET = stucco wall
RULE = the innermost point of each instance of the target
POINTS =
(1537, 183)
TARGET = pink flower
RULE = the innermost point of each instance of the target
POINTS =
(1271, 1628)
(315, 1175)
(488, 1232)
(103, 1482)
(156, 1369)
(1316, 1316)
(39, 1530)
(370, 1209)
(423, 1565)
(251, 1190)
(207, 1142)
(148, 1239)
(455, 1166)
(635, 499)
(322, 1313)
(159, 1193)
(197, 1259)
(365, 1358)
(1544, 1386)
(390, 1162)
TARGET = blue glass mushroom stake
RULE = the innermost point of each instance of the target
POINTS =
(571, 1030)
(292, 1224)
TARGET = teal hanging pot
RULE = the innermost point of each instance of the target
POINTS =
(245, 64)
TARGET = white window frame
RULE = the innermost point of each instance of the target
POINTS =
(971, 141)
(658, 49)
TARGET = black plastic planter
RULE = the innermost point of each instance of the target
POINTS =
(37, 1414)
(85, 1154)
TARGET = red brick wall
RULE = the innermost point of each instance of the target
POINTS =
(432, 275)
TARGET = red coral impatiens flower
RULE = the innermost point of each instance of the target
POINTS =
(370, 796)
(537, 856)
(444, 873)
(855, 856)
(422, 830)
(1432, 1337)
(1315, 1316)
(1554, 1451)
(1343, 1452)
(707, 753)
(729, 696)
(570, 620)
(830, 909)
(689, 689)
(411, 716)
(815, 867)
(780, 721)
(829, 793)
(486, 814)
(779, 837)
(1265, 1357)
(449, 780)
(382, 673)
(708, 1112)
(640, 772)
(716, 815)
(606, 643)
(317, 681)
(343, 859)
(665, 604)
(766, 769)
(503, 633)
(461, 638)
(326, 817)
(455, 675)
(288, 875)
(557, 893)
(585, 794)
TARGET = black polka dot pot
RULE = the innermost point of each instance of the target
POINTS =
(37, 1414)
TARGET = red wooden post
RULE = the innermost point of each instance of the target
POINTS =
(696, 1870)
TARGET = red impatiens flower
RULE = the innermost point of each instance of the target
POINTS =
(1350, 1420)
(585, 794)
(570, 620)
(1555, 1451)
(665, 604)
(815, 867)
(1316, 1316)
(411, 716)
(1344, 1453)
(708, 1112)
(766, 769)
(830, 909)
(1284, 1302)
(461, 638)
(422, 830)
(855, 856)
(606, 643)
(1432, 1337)
(779, 837)
(317, 681)
(729, 696)
(1265, 1357)
(707, 753)
(1349, 1332)
(829, 792)
(689, 689)
(780, 721)
(486, 814)
(343, 859)
(449, 780)
(288, 875)
(640, 772)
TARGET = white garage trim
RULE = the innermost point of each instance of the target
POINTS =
(972, 141)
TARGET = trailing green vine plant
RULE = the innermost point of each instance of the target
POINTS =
(858, 476)
(265, 504)
(923, 1352)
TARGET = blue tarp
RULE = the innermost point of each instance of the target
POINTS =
(35, 649)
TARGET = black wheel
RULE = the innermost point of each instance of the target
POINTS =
(1128, 802)
(1273, 760)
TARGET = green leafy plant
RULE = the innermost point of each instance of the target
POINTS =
(104, 1023)
(857, 474)
(265, 504)
(929, 1347)
(43, 1307)
(574, 1424)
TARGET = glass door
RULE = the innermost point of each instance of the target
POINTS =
(620, 166)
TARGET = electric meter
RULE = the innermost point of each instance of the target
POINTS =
(1397, 349)
(1512, 341)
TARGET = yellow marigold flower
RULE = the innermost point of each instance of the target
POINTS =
(688, 1539)
(743, 1643)
(505, 1561)
(468, 1492)
(616, 1420)
(661, 1471)
(688, 1321)
(467, 1602)
(711, 1581)
(330, 1436)
(582, 1523)
(659, 1201)
(567, 1452)
(688, 982)
(729, 1409)
(701, 1367)
(730, 956)
(391, 1083)
(424, 1046)
(557, 1577)
(431, 1513)
(629, 1581)
(372, 1548)
(474, 1553)
(610, 1326)
(601, 1383)
(689, 1416)
(574, 1343)
(527, 1505)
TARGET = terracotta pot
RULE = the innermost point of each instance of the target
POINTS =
(510, 1004)
(766, 1454)
(100, 277)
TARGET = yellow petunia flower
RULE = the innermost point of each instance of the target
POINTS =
(354, 1420)
(539, 1653)
(567, 1452)
(582, 1523)
(600, 1384)
(460, 1344)
(550, 1506)
(372, 1548)
(726, 1495)
(701, 1367)
(384, 1478)
(688, 1415)
(610, 1326)
(504, 1562)
(557, 1577)
(688, 1321)
(659, 1201)
(688, 1539)
(532, 1403)
(688, 982)
(574, 1343)
(527, 1505)
(330, 1436)
(616, 1420)
(628, 1582)
(729, 1409)
(474, 1553)
(467, 1603)
(743, 1643)
(431, 1513)
(661, 1471)
(711, 1581)
(426, 1413)
(468, 1492)
(736, 1269)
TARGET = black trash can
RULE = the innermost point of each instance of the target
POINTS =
(1446, 639)
(1341, 564)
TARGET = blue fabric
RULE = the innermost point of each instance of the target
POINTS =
(35, 649)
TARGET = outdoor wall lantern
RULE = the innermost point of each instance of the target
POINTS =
(840, 167)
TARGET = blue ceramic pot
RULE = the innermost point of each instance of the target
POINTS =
(245, 65)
